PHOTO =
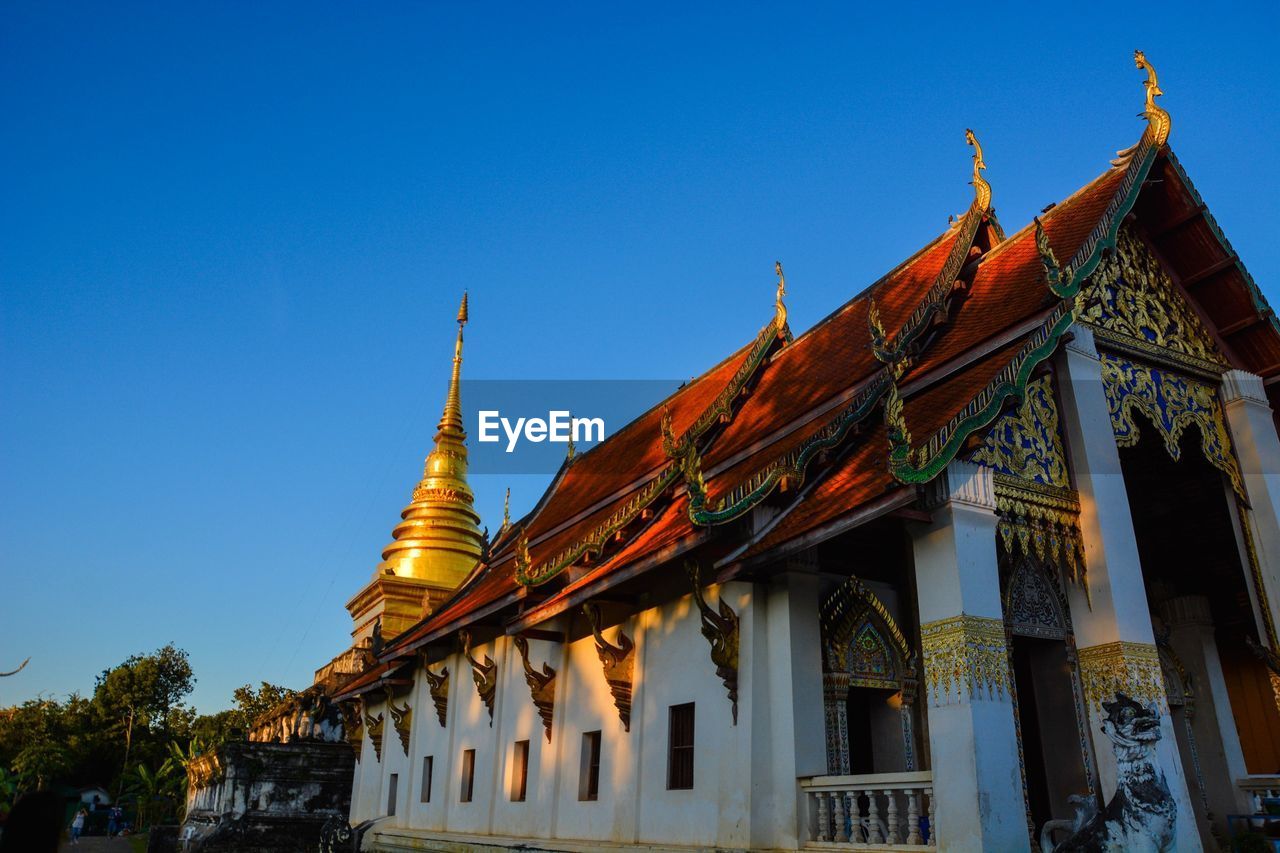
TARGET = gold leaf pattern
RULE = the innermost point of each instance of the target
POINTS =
(1041, 521)
(967, 653)
(1131, 295)
(1130, 668)
(1027, 443)
(1172, 402)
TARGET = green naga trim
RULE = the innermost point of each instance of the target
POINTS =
(924, 463)
(593, 543)
(682, 450)
(1137, 164)
(935, 301)
(791, 465)
(1061, 282)
(722, 406)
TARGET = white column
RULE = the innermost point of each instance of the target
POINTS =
(1191, 635)
(972, 734)
(788, 738)
(1113, 623)
(1253, 431)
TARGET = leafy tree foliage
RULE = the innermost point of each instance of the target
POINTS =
(134, 733)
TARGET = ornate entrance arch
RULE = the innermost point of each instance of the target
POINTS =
(862, 647)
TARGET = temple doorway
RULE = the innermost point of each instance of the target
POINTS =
(869, 684)
(1046, 690)
(1186, 520)
(1196, 567)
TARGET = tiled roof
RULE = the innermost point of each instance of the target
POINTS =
(795, 393)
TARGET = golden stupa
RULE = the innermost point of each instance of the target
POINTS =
(438, 540)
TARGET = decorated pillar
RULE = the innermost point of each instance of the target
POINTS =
(1253, 429)
(1112, 618)
(1192, 639)
(972, 733)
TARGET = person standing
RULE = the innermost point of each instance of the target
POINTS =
(113, 821)
(77, 825)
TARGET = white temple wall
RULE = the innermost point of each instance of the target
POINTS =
(366, 792)
(472, 730)
(516, 719)
(584, 704)
(678, 669)
(435, 740)
(734, 765)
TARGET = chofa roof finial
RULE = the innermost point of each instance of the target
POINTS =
(981, 189)
(780, 308)
(1158, 120)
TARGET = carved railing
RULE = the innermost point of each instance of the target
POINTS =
(1259, 788)
(881, 811)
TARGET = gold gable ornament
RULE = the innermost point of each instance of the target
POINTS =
(618, 662)
(720, 627)
(1171, 402)
(438, 685)
(374, 726)
(1133, 304)
(485, 674)
(401, 720)
(542, 685)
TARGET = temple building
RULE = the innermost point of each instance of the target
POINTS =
(992, 547)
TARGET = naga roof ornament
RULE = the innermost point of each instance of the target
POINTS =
(981, 189)
(779, 307)
(670, 444)
(1158, 119)
(879, 338)
(1058, 278)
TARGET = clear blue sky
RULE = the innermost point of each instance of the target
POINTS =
(233, 237)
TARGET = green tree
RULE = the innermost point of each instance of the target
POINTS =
(158, 791)
(36, 742)
(143, 692)
(39, 763)
(254, 703)
(8, 792)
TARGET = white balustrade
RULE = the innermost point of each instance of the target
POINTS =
(881, 811)
(1260, 788)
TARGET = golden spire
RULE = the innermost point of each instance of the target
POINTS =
(506, 509)
(981, 189)
(439, 539)
(1158, 120)
(779, 308)
(452, 417)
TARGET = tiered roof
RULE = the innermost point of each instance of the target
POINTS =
(840, 425)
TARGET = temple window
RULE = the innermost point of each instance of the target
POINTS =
(392, 788)
(468, 775)
(680, 748)
(589, 776)
(428, 764)
(519, 771)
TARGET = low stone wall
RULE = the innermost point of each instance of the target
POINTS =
(266, 797)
